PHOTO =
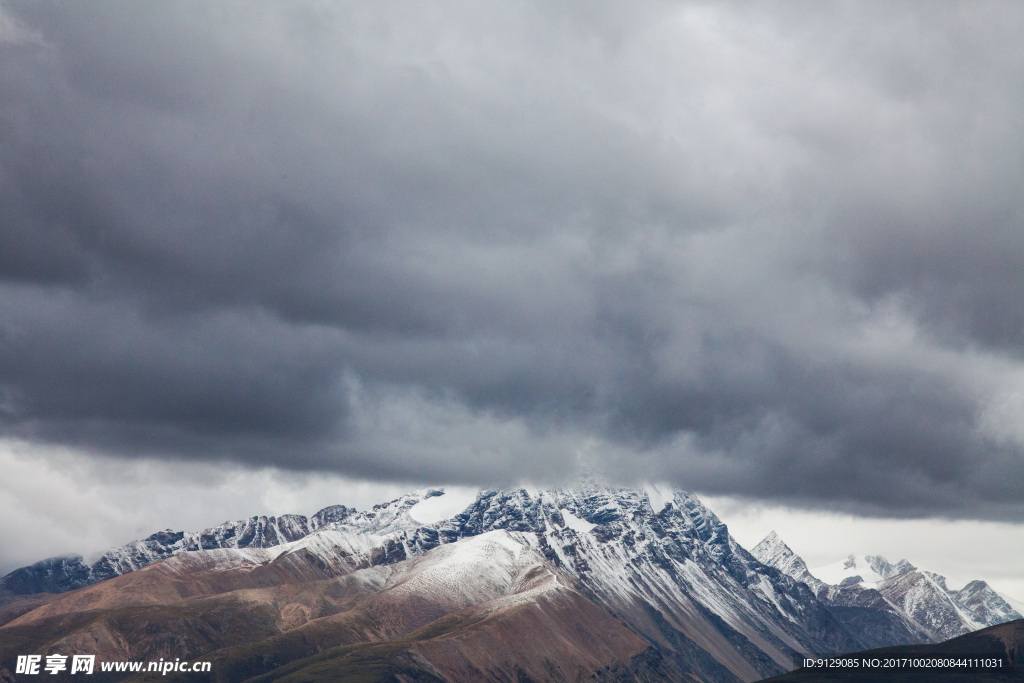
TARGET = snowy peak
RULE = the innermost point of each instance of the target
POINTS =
(986, 605)
(394, 515)
(705, 524)
(929, 603)
(775, 553)
(902, 567)
(928, 598)
(330, 515)
(886, 569)
(867, 570)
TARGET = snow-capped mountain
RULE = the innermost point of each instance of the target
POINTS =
(929, 608)
(775, 553)
(673, 573)
(607, 582)
(59, 574)
(867, 570)
(861, 608)
(658, 564)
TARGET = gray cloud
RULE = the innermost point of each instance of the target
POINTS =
(760, 250)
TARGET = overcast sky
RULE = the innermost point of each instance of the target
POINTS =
(771, 252)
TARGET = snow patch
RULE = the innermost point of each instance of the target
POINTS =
(443, 507)
(840, 571)
(575, 523)
(768, 590)
(660, 495)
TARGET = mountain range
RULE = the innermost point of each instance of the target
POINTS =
(921, 600)
(591, 581)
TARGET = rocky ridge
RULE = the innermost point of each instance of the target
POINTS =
(60, 574)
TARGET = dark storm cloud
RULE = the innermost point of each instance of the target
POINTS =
(757, 249)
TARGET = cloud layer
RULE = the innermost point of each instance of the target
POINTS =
(771, 251)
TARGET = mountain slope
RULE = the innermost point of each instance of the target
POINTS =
(275, 600)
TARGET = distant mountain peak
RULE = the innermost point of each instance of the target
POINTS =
(774, 552)
(923, 599)
(772, 546)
